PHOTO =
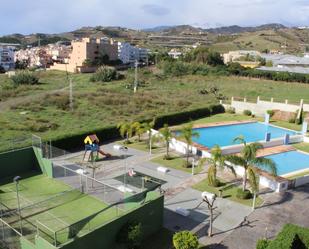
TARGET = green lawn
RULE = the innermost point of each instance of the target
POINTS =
(27, 110)
(57, 214)
(229, 192)
(302, 146)
(144, 147)
(223, 117)
(176, 162)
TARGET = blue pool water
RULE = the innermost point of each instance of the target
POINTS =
(224, 135)
(288, 162)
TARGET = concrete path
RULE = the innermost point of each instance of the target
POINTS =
(268, 220)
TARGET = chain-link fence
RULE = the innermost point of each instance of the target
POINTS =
(9, 237)
(78, 177)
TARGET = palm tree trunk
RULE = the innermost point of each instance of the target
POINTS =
(188, 155)
(167, 149)
(244, 180)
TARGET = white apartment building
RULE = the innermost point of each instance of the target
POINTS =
(129, 54)
(7, 52)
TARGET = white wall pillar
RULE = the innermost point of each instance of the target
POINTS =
(272, 100)
(245, 99)
(258, 99)
(286, 101)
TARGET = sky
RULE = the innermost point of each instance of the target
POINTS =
(55, 16)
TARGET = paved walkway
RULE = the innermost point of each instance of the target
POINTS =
(267, 221)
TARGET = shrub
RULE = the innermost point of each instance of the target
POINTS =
(299, 120)
(230, 110)
(185, 240)
(292, 120)
(131, 235)
(247, 112)
(244, 195)
(25, 77)
(262, 244)
(60, 100)
(291, 237)
(105, 74)
(271, 113)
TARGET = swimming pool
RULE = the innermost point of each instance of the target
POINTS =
(224, 135)
(291, 161)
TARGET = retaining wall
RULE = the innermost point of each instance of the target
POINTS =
(260, 107)
(17, 162)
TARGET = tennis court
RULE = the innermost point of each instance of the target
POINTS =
(57, 211)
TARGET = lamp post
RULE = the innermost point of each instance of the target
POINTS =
(16, 179)
(209, 198)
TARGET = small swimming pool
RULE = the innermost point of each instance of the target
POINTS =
(291, 161)
(224, 135)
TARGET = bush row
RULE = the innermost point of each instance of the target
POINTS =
(75, 141)
(179, 68)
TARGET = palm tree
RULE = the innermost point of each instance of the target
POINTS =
(187, 134)
(138, 129)
(148, 126)
(248, 160)
(216, 160)
(125, 130)
(166, 135)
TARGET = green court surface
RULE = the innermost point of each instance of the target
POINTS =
(59, 211)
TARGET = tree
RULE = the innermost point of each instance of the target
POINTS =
(125, 130)
(166, 135)
(214, 59)
(105, 74)
(185, 240)
(148, 126)
(249, 161)
(216, 160)
(187, 134)
(2, 70)
(131, 234)
(21, 64)
(138, 129)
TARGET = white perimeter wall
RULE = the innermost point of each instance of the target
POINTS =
(260, 107)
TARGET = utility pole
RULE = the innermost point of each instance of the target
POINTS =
(71, 96)
(135, 78)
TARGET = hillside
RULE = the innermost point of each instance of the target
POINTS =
(269, 36)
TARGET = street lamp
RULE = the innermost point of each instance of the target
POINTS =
(209, 198)
(16, 179)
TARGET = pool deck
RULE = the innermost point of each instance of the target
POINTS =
(275, 150)
(196, 126)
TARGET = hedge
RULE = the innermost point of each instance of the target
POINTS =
(179, 68)
(285, 238)
(75, 141)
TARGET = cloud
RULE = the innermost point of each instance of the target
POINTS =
(155, 10)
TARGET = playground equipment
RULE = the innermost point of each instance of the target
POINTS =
(92, 145)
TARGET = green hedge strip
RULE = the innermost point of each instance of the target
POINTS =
(72, 142)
